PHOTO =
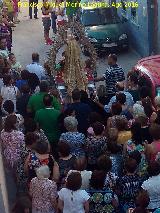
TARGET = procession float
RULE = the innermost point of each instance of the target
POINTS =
(66, 60)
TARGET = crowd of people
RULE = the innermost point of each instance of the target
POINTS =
(88, 153)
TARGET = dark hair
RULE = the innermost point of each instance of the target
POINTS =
(143, 120)
(147, 105)
(113, 147)
(47, 100)
(25, 74)
(30, 138)
(88, 63)
(10, 123)
(40, 146)
(104, 163)
(144, 92)
(11, 54)
(64, 149)
(98, 128)
(35, 57)
(119, 87)
(130, 165)
(136, 133)
(142, 200)
(76, 95)
(133, 78)
(116, 109)
(122, 124)
(8, 106)
(153, 168)
(157, 121)
(121, 98)
(74, 181)
(136, 155)
(44, 86)
(25, 89)
(30, 125)
(97, 179)
(22, 203)
(83, 96)
(114, 57)
(94, 117)
(7, 79)
(155, 131)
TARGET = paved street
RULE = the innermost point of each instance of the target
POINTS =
(28, 38)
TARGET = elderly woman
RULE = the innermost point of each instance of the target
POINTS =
(43, 192)
(75, 139)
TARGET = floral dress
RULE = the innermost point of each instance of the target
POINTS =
(12, 146)
(142, 168)
(76, 142)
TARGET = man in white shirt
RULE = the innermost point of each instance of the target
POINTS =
(36, 68)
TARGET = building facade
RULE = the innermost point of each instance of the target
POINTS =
(141, 20)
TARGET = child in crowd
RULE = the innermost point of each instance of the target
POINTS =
(15, 65)
(46, 10)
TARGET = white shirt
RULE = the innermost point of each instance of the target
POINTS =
(152, 187)
(37, 69)
(73, 200)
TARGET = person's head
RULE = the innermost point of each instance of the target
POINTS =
(136, 133)
(44, 86)
(153, 168)
(113, 147)
(10, 123)
(104, 163)
(157, 101)
(94, 117)
(35, 57)
(25, 75)
(147, 104)
(116, 109)
(23, 205)
(133, 79)
(41, 146)
(8, 106)
(25, 89)
(30, 125)
(63, 149)
(74, 181)
(142, 202)
(88, 63)
(101, 91)
(70, 123)
(76, 95)
(5, 10)
(67, 99)
(130, 165)
(144, 92)
(83, 96)
(47, 100)
(30, 139)
(136, 155)
(143, 120)
(3, 43)
(155, 131)
(112, 134)
(97, 179)
(43, 172)
(120, 86)
(7, 80)
(121, 124)
(112, 59)
(12, 57)
(138, 110)
(121, 98)
(98, 128)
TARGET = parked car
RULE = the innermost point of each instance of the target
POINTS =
(104, 28)
(149, 69)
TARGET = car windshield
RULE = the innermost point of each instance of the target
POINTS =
(99, 16)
